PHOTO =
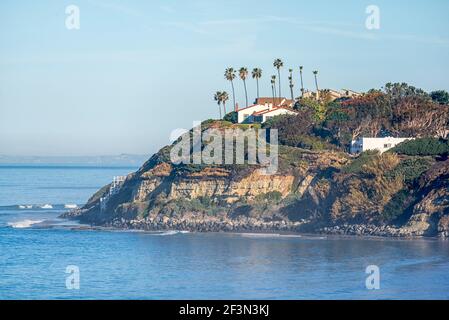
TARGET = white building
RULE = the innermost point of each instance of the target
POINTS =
(263, 109)
(332, 94)
(350, 93)
(381, 144)
(262, 116)
(245, 113)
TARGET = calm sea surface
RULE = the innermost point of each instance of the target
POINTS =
(36, 247)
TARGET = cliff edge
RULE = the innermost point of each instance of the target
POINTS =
(325, 191)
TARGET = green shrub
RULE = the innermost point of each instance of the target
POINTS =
(246, 126)
(277, 121)
(306, 142)
(396, 206)
(410, 169)
(273, 196)
(422, 147)
(356, 166)
(203, 204)
(440, 96)
(231, 117)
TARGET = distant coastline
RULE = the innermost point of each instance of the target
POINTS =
(133, 160)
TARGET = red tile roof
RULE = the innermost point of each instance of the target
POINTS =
(273, 109)
(247, 107)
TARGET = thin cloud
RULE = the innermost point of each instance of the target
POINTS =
(341, 29)
(422, 39)
(116, 7)
(186, 26)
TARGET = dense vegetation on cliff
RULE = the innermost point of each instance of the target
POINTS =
(317, 186)
(398, 110)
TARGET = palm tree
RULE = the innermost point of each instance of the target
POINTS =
(302, 83)
(230, 76)
(257, 74)
(243, 74)
(279, 64)
(224, 97)
(217, 97)
(316, 84)
(273, 88)
(290, 80)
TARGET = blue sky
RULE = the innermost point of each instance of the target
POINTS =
(136, 70)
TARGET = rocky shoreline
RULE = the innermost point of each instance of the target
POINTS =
(372, 230)
(315, 192)
(200, 224)
(215, 224)
(366, 230)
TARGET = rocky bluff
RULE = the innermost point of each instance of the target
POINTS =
(325, 191)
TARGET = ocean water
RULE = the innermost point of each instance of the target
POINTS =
(36, 247)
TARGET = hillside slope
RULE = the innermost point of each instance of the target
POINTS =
(313, 191)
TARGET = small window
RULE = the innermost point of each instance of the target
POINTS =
(387, 145)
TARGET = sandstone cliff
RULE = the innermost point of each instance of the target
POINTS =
(325, 191)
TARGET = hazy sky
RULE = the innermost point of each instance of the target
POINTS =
(136, 70)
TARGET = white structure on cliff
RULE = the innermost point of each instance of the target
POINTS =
(332, 94)
(381, 144)
(263, 109)
(262, 116)
(115, 187)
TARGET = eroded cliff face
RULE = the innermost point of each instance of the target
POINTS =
(379, 201)
(212, 183)
(431, 213)
(326, 191)
(161, 194)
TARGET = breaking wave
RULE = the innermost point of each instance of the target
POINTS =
(45, 206)
(27, 206)
(269, 235)
(170, 232)
(27, 223)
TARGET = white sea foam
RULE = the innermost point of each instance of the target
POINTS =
(27, 206)
(70, 206)
(47, 206)
(269, 235)
(170, 232)
(23, 223)
(260, 235)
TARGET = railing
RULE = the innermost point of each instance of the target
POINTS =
(115, 187)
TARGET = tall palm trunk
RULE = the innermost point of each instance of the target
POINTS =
(279, 77)
(317, 89)
(219, 109)
(302, 83)
(233, 94)
(291, 92)
(257, 82)
(246, 92)
(224, 107)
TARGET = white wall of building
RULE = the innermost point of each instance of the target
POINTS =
(381, 144)
(244, 113)
(275, 112)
